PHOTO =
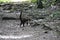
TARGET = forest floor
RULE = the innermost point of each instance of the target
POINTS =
(11, 30)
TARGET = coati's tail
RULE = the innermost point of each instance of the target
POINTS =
(21, 15)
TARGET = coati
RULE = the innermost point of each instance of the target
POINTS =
(24, 19)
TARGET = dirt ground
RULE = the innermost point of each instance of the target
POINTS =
(10, 30)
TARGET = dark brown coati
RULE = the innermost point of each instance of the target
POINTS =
(24, 19)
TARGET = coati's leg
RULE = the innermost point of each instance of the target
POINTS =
(22, 23)
(27, 23)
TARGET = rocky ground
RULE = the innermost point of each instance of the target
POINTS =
(10, 30)
(44, 26)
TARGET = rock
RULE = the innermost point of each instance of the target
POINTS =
(45, 27)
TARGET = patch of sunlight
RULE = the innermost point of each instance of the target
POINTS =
(14, 0)
(14, 37)
(17, 0)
